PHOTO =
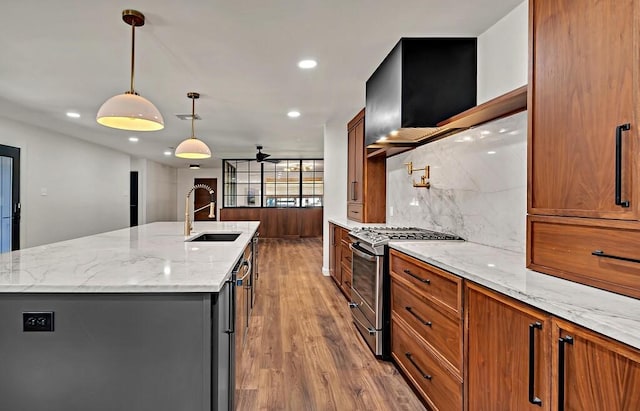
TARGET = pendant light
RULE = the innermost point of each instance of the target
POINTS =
(193, 148)
(130, 111)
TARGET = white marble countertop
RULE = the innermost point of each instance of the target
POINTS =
(504, 271)
(349, 224)
(150, 258)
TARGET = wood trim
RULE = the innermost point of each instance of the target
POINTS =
(507, 104)
(530, 99)
(358, 117)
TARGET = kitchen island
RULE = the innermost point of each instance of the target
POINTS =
(139, 319)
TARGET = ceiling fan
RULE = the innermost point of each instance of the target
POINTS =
(260, 156)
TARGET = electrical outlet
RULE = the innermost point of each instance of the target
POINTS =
(37, 321)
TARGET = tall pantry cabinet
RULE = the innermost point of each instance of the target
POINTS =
(584, 192)
(367, 178)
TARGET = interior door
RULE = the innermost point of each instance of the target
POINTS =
(9, 198)
(201, 198)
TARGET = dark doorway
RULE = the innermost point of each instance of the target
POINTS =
(10, 198)
(201, 198)
(133, 202)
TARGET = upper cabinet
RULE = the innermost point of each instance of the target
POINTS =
(583, 198)
(367, 178)
(582, 119)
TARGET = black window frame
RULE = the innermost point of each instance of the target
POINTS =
(299, 196)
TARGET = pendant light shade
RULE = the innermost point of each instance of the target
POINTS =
(192, 148)
(130, 111)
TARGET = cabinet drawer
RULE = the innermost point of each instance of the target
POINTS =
(346, 280)
(355, 211)
(438, 330)
(440, 389)
(346, 255)
(563, 247)
(434, 284)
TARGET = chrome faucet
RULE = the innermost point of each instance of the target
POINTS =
(188, 226)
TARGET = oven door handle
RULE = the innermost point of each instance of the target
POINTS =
(362, 253)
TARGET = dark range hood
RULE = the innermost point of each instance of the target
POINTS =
(422, 82)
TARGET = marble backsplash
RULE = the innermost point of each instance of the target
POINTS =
(478, 185)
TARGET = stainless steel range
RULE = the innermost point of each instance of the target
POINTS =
(370, 285)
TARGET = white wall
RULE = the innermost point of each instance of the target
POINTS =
(160, 187)
(69, 188)
(185, 183)
(335, 178)
(503, 55)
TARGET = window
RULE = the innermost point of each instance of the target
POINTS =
(278, 183)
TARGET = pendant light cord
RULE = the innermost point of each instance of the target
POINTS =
(133, 53)
(193, 116)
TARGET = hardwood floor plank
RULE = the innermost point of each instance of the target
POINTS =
(303, 351)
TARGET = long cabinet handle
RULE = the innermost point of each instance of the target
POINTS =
(232, 307)
(410, 309)
(600, 253)
(532, 359)
(619, 130)
(562, 341)
(424, 375)
(424, 280)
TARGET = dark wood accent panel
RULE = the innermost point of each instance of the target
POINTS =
(437, 286)
(583, 84)
(311, 222)
(563, 247)
(437, 330)
(498, 332)
(202, 198)
(439, 388)
(599, 373)
(302, 350)
(240, 214)
(279, 222)
(366, 177)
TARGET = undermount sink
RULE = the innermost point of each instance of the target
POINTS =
(216, 237)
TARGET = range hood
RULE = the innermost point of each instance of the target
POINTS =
(420, 83)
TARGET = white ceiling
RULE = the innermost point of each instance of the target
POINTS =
(240, 55)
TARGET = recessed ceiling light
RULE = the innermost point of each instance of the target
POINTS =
(307, 64)
(491, 152)
(167, 152)
(194, 166)
(293, 114)
(73, 114)
(133, 139)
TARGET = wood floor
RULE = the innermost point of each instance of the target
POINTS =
(302, 351)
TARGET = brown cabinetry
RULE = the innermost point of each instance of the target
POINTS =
(340, 258)
(519, 356)
(594, 373)
(426, 329)
(508, 353)
(583, 140)
(366, 177)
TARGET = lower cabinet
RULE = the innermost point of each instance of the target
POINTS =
(512, 356)
(593, 372)
(340, 258)
(523, 359)
(426, 330)
(508, 353)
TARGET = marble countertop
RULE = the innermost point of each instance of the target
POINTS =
(349, 224)
(504, 271)
(150, 258)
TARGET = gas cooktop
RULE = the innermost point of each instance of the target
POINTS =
(375, 236)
